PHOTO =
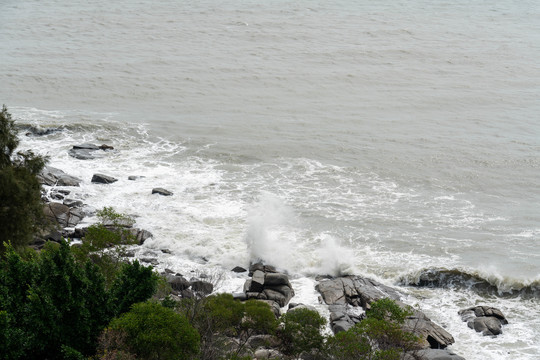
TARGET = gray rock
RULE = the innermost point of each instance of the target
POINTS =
(431, 335)
(257, 281)
(238, 269)
(161, 191)
(271, 279)
(433, 354)
(203, 287)
(149, 260)
(263, 341)
(72, 203)
(55, 177)
(61, 215)
(354, 290)
(86, 146)
(177, 283)
(485, 319)
(135, 177)
(81, 154)
(103, 179)
(274, 306)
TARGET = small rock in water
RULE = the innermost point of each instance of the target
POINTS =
(238, 269)
(135, 177)
(161, 191)
(103, 179)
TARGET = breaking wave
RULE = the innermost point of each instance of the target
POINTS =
(458, 279)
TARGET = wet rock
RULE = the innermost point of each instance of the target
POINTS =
(354, 290)
(433, 354)
(203, 287)
(72, 203)
(268, 285)
(431, 335)
(52, 176)
(135, 177)
(177, 283)
(484, 319)
(106, 147)
(87, 151)
(38, 131)
(238, 269)
(152, 261)
(103, 179)
(357, 291)
(61, 215)
(86, 146)
(161, 191)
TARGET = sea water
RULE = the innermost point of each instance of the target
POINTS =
(391, 139)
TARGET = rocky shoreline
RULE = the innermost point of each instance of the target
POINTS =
(347, 297)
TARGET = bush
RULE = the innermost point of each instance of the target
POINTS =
(52, 306)
(104, 242)
(301, 332)
(21, 209)
(154, 332)
(378, 336)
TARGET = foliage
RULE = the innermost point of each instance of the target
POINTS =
(378, 337)
(21, 209)
(52, 306)
(134, 283)
(301, 332)
(218, 317)
(104, 241)
(154, 332)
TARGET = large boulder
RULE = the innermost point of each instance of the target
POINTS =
(269, 285)
(356, 291)
(87, 151)
(485, 319)
(61, 215)
(432, 354)
(103, 179)
(52, 176)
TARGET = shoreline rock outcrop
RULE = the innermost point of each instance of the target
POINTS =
(485, 319)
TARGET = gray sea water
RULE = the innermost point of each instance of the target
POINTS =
(384, 138)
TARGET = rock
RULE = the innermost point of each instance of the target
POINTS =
(263, 341)
(106, 147)
(81, 154)
(433, 354)
(72, 203)
(240, 296)
(152, 261)
(135, 177)
(177, 283)
(103, 179)
(55, 177)
(238, 269)
(61, 215)
(274, 306)
(164, 251)
(354, 290)
(260, 266)
(203, 287)
(431, 335)
(268, 286)
(484, 319)
(86, 146)
(262, 354)
(161, 191)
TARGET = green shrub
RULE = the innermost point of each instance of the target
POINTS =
(379, 336)
(302, 332)
(21, 210)
(154, 332)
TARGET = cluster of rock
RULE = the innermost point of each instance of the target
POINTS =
(484, 319)
(269, 285)
(87, 151)
(344, 295)
(183, 288)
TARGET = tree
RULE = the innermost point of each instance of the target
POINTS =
(154, 332)
(21, 209)
(302, 332)
(378, 337)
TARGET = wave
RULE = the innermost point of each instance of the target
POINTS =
(459, 279)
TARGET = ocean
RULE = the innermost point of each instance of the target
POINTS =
(391, 139)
